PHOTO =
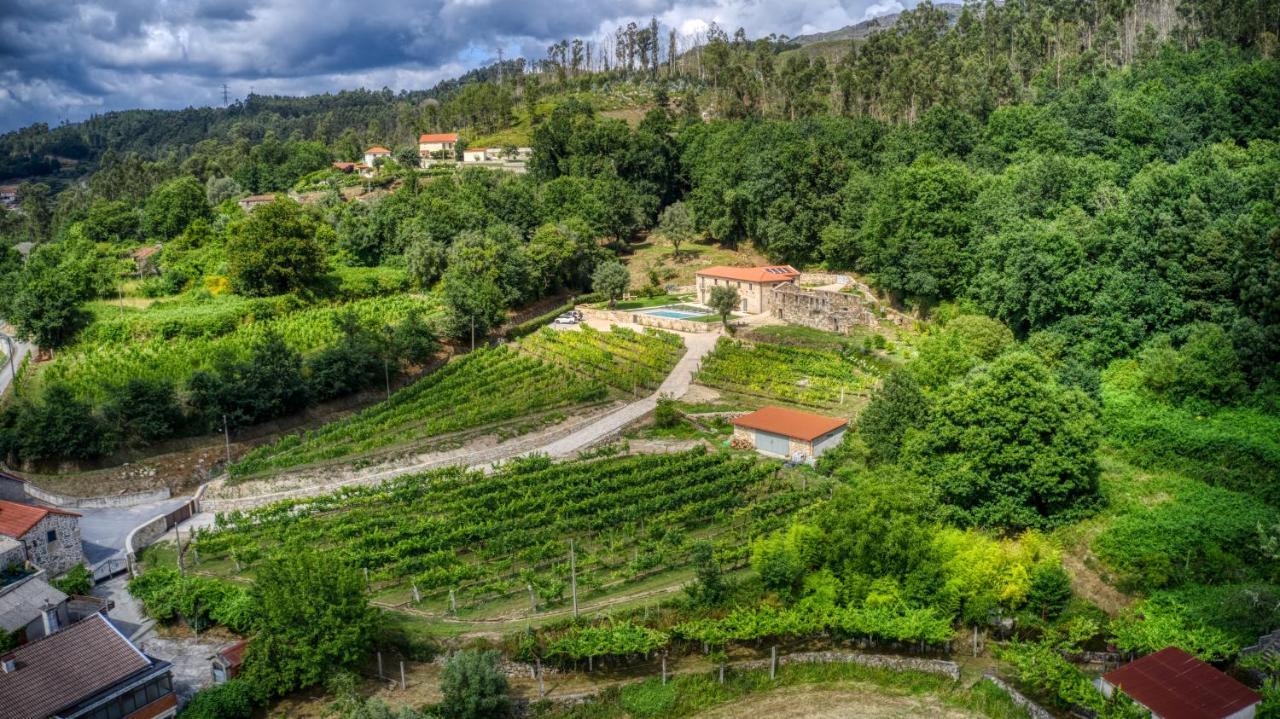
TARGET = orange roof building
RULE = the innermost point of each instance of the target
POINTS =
(788, 433)
(17, 519)
(752, 283)
(439, 138)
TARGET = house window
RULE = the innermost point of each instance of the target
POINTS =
(51, 535)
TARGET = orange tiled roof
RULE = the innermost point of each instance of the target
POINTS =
(377, 150)
(775, 273)
(18, 519)
(439, 137)
(790, 423)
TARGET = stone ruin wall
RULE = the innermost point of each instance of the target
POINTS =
(822, 309)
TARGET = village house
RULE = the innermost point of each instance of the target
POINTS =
(428, 145)
(752, 283)
(788, 433)
(373, 154)
(31, 608)
(50, 537)
(252, 201)
(475, 154)
(1172, 684)
(146, 260)
(9, 196)
(85, 671)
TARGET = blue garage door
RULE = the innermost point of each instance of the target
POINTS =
(771, 443)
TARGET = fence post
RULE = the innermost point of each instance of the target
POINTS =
(773, 662)
(542, 692)
(664, 668)
(416, 597)
(453, 604)
(573, 577)
(402, 675)
(379, 665)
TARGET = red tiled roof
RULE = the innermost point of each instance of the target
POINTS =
(775, 273)
(234, 654)
(377, 150)
(439, 137)
(18, 519)
(66, 667)
(790, 423)
(1175, 685)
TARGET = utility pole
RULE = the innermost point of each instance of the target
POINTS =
(226, 436)
(224, 94)
(573, 577)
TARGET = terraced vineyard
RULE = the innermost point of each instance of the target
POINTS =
(226, 332)
(793, 375)
(543, 372)
(490, 537)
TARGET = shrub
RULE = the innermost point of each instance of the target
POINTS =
(473, 687)
(77, 580)
(649, 699)
(229, 700)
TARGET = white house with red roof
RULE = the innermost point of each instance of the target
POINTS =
(752, 283)
(437, 142)
(375, 153)
(50, 537)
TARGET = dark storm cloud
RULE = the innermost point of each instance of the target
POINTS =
(66, 60)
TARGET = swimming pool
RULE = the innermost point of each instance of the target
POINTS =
(677, 312)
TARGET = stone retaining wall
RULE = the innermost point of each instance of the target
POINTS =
(120, 500)
(639, 318)
(940, 667)
(1035, 710)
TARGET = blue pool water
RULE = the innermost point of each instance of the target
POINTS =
(677, 312)
(673, 314)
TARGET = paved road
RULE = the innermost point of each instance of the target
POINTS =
(20, 351)
(675, 385)
(103, 531)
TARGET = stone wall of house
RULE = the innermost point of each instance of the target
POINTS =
(60, 555)
(11, 554)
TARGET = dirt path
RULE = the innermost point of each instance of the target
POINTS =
(560, 442)
(1086, 583)
(836, 702)
(676, 384)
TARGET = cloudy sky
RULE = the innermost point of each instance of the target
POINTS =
(66, 60)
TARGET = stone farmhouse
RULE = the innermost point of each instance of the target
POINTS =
(50, 537)
(753, 284)
(788, 433)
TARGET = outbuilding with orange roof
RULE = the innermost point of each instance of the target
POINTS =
(788, 433)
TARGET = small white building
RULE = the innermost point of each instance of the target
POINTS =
(752, 283)
(788, 433)
(373, 154)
